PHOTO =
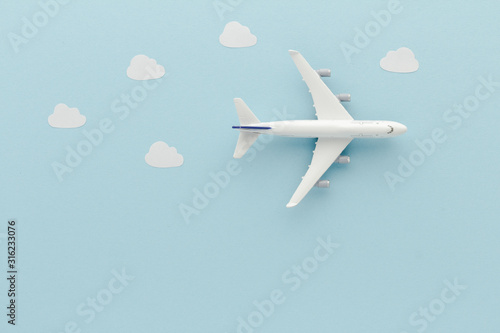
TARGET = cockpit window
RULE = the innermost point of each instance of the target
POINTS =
(391, 129)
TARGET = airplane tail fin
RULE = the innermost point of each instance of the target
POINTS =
(246, 139)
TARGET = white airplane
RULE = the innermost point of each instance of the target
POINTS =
(335, 128)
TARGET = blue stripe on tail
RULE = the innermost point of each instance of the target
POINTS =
(252, 127)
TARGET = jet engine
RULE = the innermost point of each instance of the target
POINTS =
(324, 72)
(344, 97)
(322, 184)
(342, 159)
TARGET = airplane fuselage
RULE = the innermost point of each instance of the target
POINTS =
(328, 128)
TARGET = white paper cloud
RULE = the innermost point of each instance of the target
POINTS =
(144, 68)
(237, 35)
(400, 61)
(160, 155)
(66, 117)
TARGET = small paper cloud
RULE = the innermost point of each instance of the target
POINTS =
(400, 61)
(66, 117)
(237, 35)
(160, 155)
(144, 68)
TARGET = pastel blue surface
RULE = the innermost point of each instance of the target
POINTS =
(398, 247)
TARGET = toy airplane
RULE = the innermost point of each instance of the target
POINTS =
(335, 128)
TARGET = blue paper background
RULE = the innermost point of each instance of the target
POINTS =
(115, 212)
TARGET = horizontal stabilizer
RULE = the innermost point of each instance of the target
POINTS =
(244, 113)
(245, 141)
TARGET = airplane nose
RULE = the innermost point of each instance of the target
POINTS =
(400, 129)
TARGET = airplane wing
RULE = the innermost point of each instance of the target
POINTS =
(327, 105)
(326, 152)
